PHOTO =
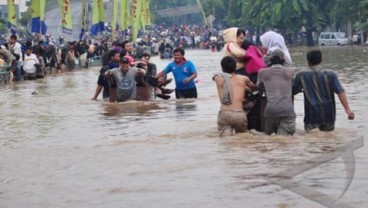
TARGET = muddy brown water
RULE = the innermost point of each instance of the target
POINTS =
(60, 149)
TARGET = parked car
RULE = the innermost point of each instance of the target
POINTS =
(332, 39)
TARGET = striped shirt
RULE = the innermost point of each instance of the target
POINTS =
(318, 86)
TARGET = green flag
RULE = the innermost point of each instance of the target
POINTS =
(136, 18)
(38, 16)
(98, 17)
(84, 14)
(101, 14)
(148, 13)
(66, 16)
(83, 20)
(114, 15)
(12, 19)
(125, 15)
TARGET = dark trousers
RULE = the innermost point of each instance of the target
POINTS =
(190, 93)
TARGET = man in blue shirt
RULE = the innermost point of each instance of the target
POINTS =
(319, 86)
(184, 73)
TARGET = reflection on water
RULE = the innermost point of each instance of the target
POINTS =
(60, 149)
(130, 108)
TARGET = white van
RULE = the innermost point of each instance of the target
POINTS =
(332, 39)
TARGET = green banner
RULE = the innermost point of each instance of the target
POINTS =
(145, 13)
(148, 12)
(84, 14)
(98, 17)
(101, 13)
(42, 9)
(38, 16)
(114, 15)
(66, 17)
(35, 8)
(125, 14)
(12, 18)
(136, 19)
(95, 12)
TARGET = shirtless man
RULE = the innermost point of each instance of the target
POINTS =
(231, 88)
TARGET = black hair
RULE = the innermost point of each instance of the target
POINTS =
(37, 51)
(13, 37)
(6, 46)
(277, 60)
(112, 53)
(239, 32)
(180, 50)
(116, 43)
(140, 65)
(245, 44)
(125, 42)
(123, 52)
(144, 55)
(124, 60)
(314, 57)
(228, 64)
(28, 44)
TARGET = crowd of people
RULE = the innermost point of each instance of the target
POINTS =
(35, 59)
(255, 90)
(127, 77)
(57, 54)
(257, 86)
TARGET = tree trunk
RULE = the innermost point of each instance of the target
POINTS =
(362, 39)
(258, 39)
(350, 33)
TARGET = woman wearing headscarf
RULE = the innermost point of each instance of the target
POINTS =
(271, 41)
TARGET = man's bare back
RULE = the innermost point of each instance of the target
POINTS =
(238, 85)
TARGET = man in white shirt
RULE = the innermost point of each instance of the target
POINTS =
(16, 48)
(29, 67)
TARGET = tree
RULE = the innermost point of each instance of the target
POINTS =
(2, 24)
(215, 8)
(289, 14)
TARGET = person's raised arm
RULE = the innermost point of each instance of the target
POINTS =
(161, 74)
(141, 71)
(108, 73)
(236, 51)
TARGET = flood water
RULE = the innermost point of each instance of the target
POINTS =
(60, 149)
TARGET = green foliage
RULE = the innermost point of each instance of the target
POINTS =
(289, 15)
(3, 23)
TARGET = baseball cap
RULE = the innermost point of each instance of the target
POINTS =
(124, 60)
(278, 53)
